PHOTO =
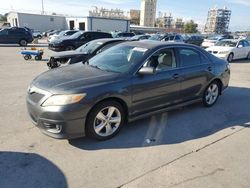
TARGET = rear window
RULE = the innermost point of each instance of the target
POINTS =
(189, 57)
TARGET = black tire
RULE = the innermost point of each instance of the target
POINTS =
(69, 48)
(92, 120)
(30, 57)
(230, 57)
(23, 42)
(39, 37)
(248, 56)
(205, 99)
(26, 57)
(38, 57)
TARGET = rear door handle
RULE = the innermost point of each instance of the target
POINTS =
(176, 76)
(209, 69)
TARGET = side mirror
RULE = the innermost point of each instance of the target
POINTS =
(240, 46)
(146, 71)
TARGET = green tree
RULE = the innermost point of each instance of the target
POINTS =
(3, 17)
(190, 27)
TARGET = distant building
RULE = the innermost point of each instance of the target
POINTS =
(165, 20)
(107, 13)
(103, 24)
(148, 13)
(178, 24)
(134, 16)
(40, 22)
(218, 21)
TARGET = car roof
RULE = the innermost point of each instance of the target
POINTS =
(157, 44)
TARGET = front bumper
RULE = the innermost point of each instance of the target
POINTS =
(56, 48)
(221, 56)
(61, 122)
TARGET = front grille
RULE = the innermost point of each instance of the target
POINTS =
(35, 97)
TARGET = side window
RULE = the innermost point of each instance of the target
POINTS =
(163, 60)
(4, 32)
(241, 43)
(189, 57)
(246, 43)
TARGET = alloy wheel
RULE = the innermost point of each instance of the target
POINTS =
(212, 94)
(107, 121)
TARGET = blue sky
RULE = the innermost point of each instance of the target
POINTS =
(188, 9)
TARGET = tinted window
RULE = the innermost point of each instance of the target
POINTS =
(177, 37)
(189, 57)
(246, 43)
(4, 32)
(241, 43)
(163, 60)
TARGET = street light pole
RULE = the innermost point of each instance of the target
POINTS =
(42, 7)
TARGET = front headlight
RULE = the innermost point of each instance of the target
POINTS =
(224, 52)
(60, 100)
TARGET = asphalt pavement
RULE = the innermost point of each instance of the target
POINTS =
(189, 147)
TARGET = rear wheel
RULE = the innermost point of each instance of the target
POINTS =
(26, 57)
(38, 57)
(211, 94)
(105, 120)
(230, 57)
(248, 55)
(23, 42)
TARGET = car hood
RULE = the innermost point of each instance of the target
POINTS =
(73, 79)
(67, 54)
(219, 48)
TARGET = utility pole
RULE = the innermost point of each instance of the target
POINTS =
(42, 7)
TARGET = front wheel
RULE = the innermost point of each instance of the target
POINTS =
(23, 42)
(230, 57)
(105, 120)
(211, 94)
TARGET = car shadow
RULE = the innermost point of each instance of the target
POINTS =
(24, 170)
(189, 123)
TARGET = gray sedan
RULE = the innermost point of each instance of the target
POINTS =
(127, 82)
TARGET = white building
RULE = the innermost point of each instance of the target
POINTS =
(148, 13)
(91, 23)
(39, 22)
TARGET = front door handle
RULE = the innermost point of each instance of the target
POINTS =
(176, 76)
(209, 69)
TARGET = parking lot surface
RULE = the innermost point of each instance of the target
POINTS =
(189, 147)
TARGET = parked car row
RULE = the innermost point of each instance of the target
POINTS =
(117, 81)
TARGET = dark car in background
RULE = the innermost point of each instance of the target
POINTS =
(15, 35)
(194, 39)
(83, 53)
(124, 35)
(126, 82)
(173, 38)
(76, 40)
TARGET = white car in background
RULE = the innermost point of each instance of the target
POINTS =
(65, 33)
(230, 49)
(212, 40)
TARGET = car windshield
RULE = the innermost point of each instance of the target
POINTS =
(76, 35)
(226, 43)
(62, 33)
(119, 58)
(90, 47)
(156, 37)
